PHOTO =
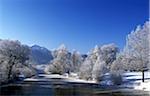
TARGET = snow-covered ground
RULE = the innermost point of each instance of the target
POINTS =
(66, 78)
(130, 80)
(143, 86)
(134, 80)
(40, 66)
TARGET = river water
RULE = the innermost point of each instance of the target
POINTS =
(61, 88)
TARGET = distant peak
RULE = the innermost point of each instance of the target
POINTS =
(37, 47)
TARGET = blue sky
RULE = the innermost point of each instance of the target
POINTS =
(79, 24)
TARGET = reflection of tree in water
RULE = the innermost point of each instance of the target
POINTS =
(66, 92)
(48, 89)
(9, 90)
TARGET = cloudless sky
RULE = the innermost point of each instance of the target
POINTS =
(79, 24)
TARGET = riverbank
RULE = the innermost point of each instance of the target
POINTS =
(61, 88)
(64, 85)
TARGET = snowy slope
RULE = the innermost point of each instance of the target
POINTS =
(134, 80)
(41, 55)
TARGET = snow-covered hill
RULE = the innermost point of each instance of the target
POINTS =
(41, 55)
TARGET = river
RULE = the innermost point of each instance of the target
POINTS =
(57, 87)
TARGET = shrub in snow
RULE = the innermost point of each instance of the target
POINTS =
(117, 70)
(116, 78)
(27, 72)
(56, 67)
(24, 70)
(74, 75)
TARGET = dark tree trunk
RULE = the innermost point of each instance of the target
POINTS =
(142, 75)
(12, 63)
(10, 71)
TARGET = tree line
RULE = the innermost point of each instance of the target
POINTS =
(15, 58)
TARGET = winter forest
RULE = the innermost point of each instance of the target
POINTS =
(16, 59)
(74, 48)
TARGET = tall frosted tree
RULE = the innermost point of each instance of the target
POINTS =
(99, 69)
(107, 55)
(62, 62)
(118, 67)
(86, 69)
(95, 54)
(109, 52)
(98, 62)
(87, 66)
(137, 47)
(76, 60)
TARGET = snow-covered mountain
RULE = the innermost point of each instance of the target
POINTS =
(41, 55)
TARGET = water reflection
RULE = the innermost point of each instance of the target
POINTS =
(62, 89)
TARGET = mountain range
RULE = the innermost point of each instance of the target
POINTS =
(41, 55)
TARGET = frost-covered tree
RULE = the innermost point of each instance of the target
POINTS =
(107, 55)
(86, 69)
(12, 53)
(137, 47)
(3, 72)
(99, 69)
(109, 52)
(98, 62)
(95, 53)
(117, 68)
(56, 67)
(87, 66)
(25, 70)
(76, 60)
(62, 62)
(118, 64)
